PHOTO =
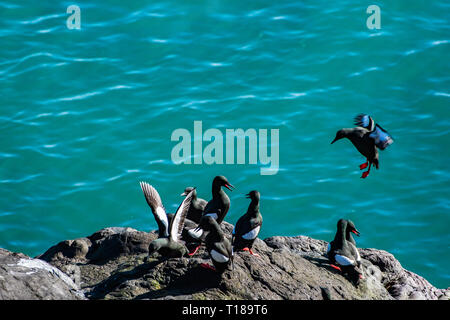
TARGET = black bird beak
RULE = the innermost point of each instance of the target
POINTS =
(335, 139)
(229, 186)
(247, 195)
(356, 232)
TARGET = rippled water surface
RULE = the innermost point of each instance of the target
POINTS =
(86, 114)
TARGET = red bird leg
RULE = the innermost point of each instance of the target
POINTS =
(335, 267)
(194, 251)
(364, 165)
(207, 266)
(251, 252)
(366, 173)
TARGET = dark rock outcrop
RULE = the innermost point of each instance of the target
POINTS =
(113, 264)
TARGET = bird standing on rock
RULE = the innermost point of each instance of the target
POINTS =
(366, 137)
(217, 245)
(216, 208)
(343, 254)
(170, 245)
(349, 229)
(248, 226)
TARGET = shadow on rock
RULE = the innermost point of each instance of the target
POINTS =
(323, 262)
(194, 280)
(110, 284)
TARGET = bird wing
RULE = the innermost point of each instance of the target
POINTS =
(221, 251)
(177, 224)
(241, 225)
(355, 252)
(365, 121)
(381, 137)
(251, 228)
(252, 234)
(358, 132)
(343, 260)
(155, 203)
(218, 256)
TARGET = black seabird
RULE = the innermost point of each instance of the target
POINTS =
(343, 254)
(197, 205)
(248, 226)
(169, 246)
(367, 137)
(217, 245)
(217, 207)
(349, 229)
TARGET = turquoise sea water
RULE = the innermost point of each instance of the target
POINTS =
(86, 114)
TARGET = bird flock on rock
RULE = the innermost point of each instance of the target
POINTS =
(197, 222)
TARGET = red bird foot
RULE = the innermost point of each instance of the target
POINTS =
(335, 267)
(251, 252)
(364, 165)
(194, 251)
(207, 266)
(365, 174)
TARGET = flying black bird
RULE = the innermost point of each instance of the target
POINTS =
(367, 137)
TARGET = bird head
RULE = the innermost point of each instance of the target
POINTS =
(339, 135)
(253, 195)
(351, 227)
(223, 182)
(187, 191)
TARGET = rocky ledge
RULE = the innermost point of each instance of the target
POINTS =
(113, 264)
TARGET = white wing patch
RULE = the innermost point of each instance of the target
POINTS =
(218, 257)
(343, 260)
(162, 216)
(214, 215)
(252, 234)
(195, 234)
